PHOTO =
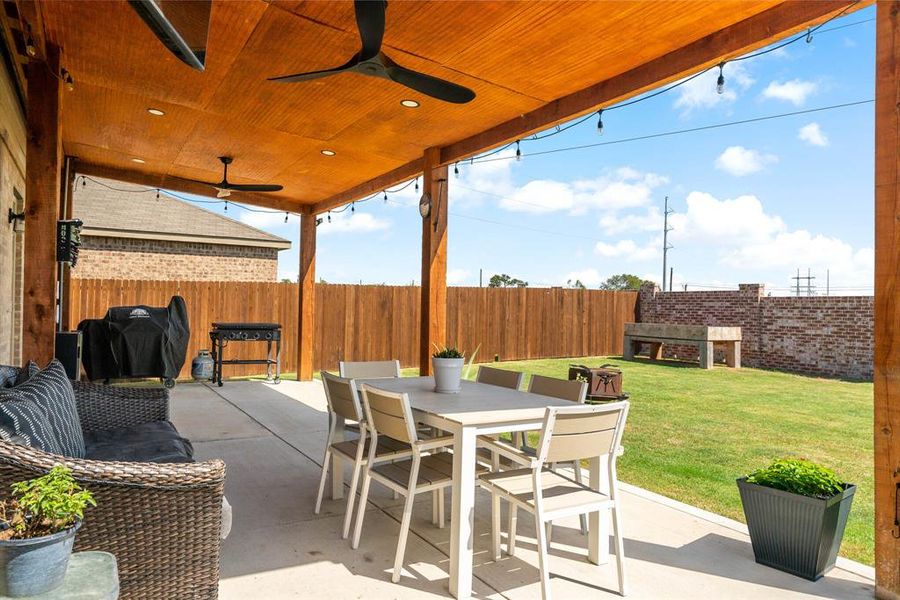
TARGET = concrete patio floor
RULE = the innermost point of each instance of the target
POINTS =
(272, 439)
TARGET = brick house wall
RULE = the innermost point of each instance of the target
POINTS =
(831, 336)
(130, 258)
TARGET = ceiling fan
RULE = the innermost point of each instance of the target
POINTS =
(370, 60)
(225, 187)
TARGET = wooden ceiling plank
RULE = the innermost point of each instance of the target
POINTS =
(185, 186)
(753, 33)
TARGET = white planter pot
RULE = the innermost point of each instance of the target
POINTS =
(447, 374)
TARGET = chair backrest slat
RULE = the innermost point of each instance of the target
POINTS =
(389, 414)
(576, 391)
(341, 395)
(500, 377)
(370, 369)
(585, 431)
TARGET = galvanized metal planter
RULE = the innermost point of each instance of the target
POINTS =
(793, 533)
(36, 565)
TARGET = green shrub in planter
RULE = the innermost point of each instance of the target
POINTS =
(796, 512)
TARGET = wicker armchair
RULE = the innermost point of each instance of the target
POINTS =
(161, 521)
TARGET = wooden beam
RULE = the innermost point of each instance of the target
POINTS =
(887, 299)
(43, 164)
(185, 186)
(306, 322)
(756, 32)
(433, 327)
(386, 180)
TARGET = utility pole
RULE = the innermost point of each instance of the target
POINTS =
(666, 246)
(827, 282)
(480, 273)
(671, 270)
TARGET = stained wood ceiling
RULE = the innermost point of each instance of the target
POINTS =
(517, 56)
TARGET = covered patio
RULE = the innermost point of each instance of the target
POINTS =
(271, 437)
(533, 66)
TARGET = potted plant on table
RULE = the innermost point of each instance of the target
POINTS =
(37, 532)
(796, 512)
(447, 365)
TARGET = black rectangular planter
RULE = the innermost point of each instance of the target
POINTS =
(794, 533)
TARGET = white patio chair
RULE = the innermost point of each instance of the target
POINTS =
(564, 389)
(568, 434)
(500, 377)
(369, 369)
(343, 401)
(388, 415)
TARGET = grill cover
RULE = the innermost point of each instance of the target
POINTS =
(136, 341)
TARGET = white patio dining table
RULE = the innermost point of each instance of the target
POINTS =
(480, 409)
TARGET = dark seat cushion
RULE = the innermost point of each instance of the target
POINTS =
(157, 441)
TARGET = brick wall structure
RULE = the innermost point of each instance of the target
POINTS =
(161, 260)
(831, 336)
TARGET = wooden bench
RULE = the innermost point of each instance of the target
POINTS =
(703, 336)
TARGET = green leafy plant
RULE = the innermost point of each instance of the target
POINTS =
(44, 505)
(798, 476)
(447, 352)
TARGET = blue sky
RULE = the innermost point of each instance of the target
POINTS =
(753, 202)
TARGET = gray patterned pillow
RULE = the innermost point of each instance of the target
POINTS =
(42, 410)
(8, 375)
(26, 373)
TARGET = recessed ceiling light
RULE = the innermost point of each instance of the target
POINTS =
(156, 112)
(328, 152)
(410, 103)
(138, 160)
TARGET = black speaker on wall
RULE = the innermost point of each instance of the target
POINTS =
(68, 352)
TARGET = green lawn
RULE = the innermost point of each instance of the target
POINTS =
(692, 432)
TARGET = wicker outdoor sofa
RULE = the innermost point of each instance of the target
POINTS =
(162, 521)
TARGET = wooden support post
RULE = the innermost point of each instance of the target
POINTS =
(43, 165)
(887, 299)
(307, 291)
(433, 329)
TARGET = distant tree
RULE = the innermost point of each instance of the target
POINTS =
(505, 280)
(286, 280)
(622, 282)
(576, 284)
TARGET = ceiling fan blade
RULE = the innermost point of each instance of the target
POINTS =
(431, 86)
(370, 21)
(347, 66)
(252, 187)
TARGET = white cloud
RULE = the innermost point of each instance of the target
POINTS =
(740, 161)
(622, 188)
(614, 224)
(356, 222)
(745, 237)
(628, 250)
(701, 91)
(813, 135)
(457, 276)
(267, 220)
(795, 91)
(589, 277)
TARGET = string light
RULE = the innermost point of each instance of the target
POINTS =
(809, 36)
(286, 217)
(318, 221)
(67, 79)
(720, 82)
(157, 193)
(600, 122)
(456, 169)
(226, 206)
(30, 48)
(353, 207)
(417, 184)
(518, 151)
(329, 216)
(385, 195)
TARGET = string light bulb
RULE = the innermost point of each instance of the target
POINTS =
(720, 82)
(456, 169)
(157, 193)
(30, 48)
(385, 195)
(518, 151)
(67, 79)
(417, 184)
(353, 207)
(329, 216)
(226, 206)
(600, 122)
(286, 217)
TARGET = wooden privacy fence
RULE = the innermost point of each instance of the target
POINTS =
(375, 322)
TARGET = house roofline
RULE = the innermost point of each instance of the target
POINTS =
(175, 237)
